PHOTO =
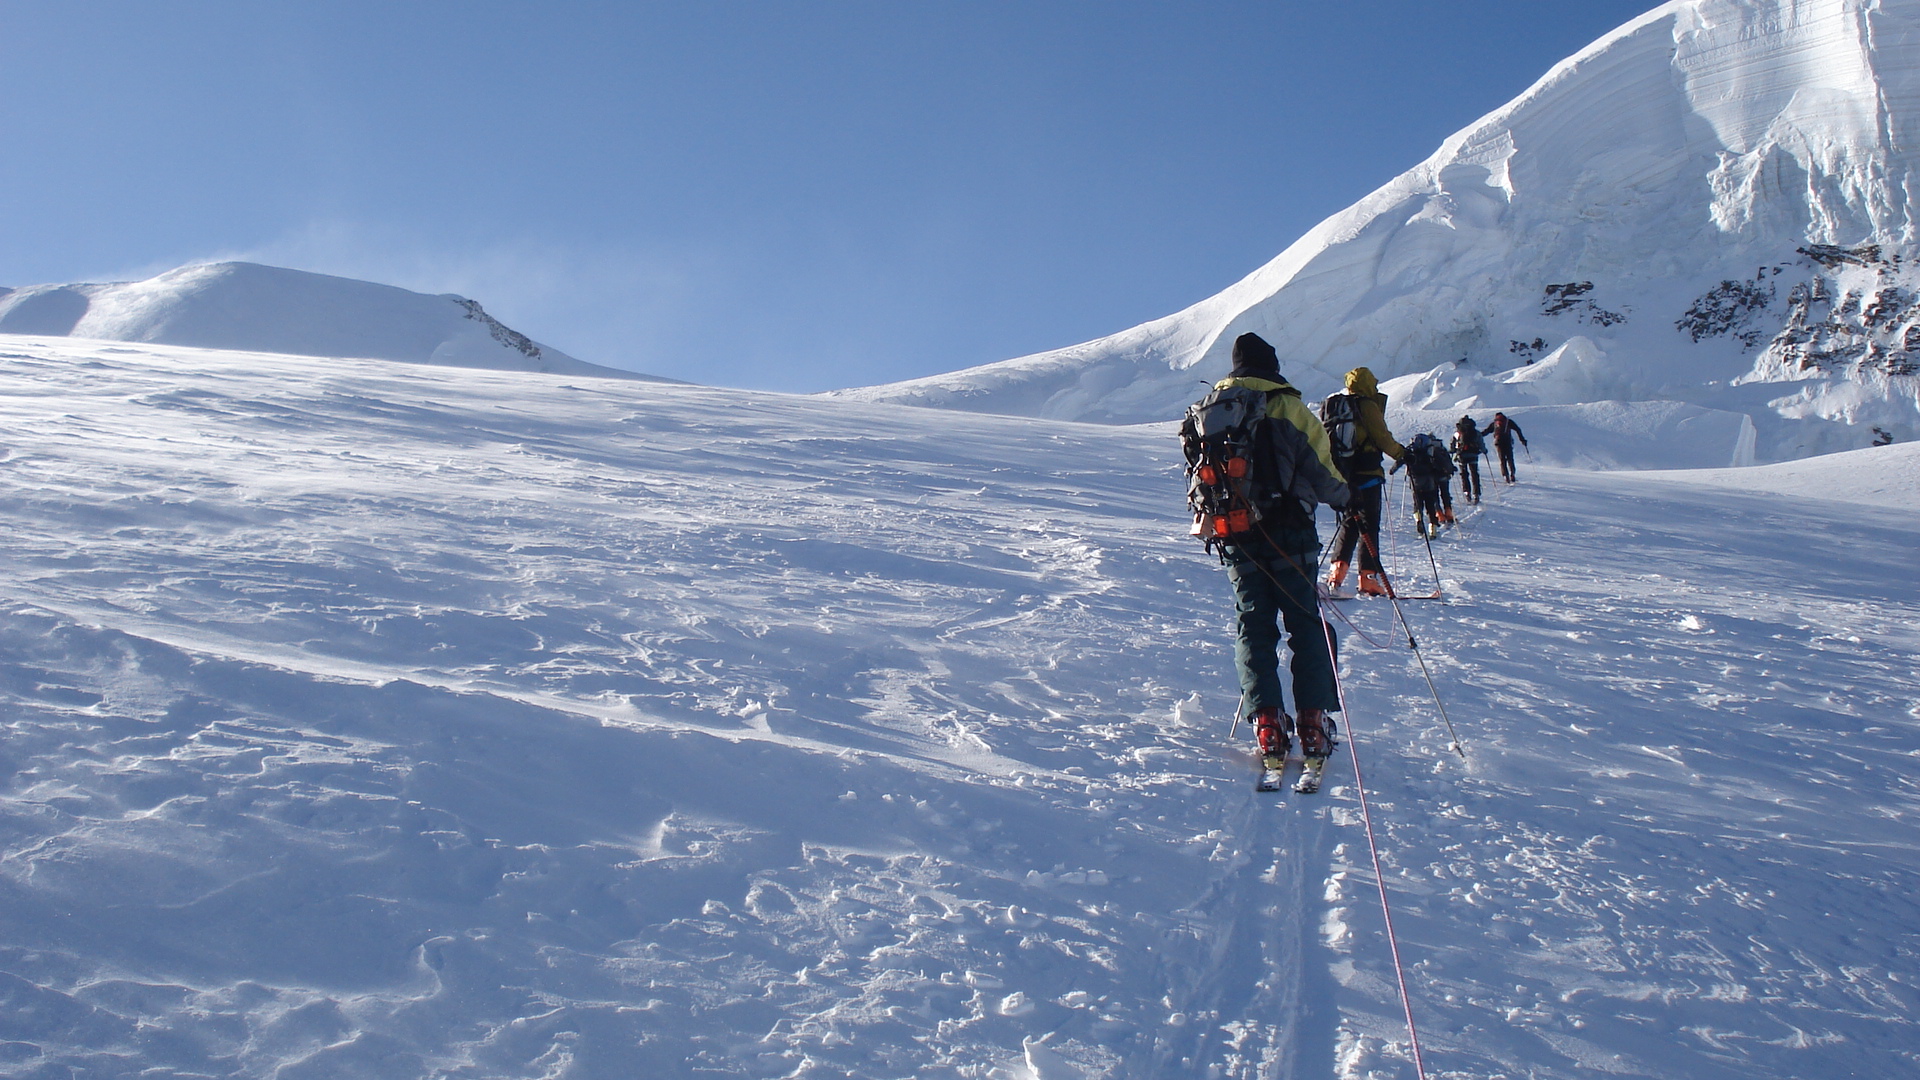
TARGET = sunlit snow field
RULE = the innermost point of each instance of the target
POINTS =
(367, 720)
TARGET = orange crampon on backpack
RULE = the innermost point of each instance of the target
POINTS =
(1228, 480)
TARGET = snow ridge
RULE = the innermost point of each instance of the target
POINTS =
(249, 307)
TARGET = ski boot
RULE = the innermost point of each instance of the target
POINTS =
(1315, 741)
(1270, 728)
(1338, 576)
(1373, 583)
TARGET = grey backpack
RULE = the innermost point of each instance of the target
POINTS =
(1229, 471)
(1341, 417)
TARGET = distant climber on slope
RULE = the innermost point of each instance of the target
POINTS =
(1258, 464)
(1468, 447)
(1356, 423)
(1504, 431)
(1430, 474)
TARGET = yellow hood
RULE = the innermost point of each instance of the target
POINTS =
(1361, 381)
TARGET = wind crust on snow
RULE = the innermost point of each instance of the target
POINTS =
(250, 307)
(369, 721)
(1662, 193)
(1881, 476)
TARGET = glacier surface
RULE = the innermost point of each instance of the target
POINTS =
(376, 720)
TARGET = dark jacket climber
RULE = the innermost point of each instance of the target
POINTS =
(1504, 431)
(1468, 447)
(1272, 571)
(1429, 474)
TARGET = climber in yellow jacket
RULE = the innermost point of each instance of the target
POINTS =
(1356, 422)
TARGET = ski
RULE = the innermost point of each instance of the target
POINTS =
(1272, 774)
(1310, 771)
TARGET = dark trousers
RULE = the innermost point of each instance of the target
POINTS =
(1429, 496)
(1470, 477)
(1364, 505)
(1271, 590)
(1507, 472)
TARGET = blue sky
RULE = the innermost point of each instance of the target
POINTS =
(775, 195)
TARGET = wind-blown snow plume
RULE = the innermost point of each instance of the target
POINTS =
(1714, 194)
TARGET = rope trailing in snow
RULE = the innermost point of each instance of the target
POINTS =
(1379, 878)
(1361, 634)
(1359, 786)
(1353, 753)
(1320, 568)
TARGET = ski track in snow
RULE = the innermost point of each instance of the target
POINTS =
(377, 721)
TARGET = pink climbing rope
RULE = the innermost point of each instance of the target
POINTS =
(1379, 878)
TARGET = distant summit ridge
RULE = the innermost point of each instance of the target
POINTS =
(240, 305)
(1715, 197)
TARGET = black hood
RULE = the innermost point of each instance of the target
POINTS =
(1254, 358)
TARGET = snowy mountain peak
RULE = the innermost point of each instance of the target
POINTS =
(1664, 194)
(247, 306)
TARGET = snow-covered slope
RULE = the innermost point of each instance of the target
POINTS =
(1714, 196)
(246, 306)
(422, 723)
(1881, 476)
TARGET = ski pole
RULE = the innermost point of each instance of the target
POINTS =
(1392, 519)
(1426, 672)
(1422, 657)
(1237, 710)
